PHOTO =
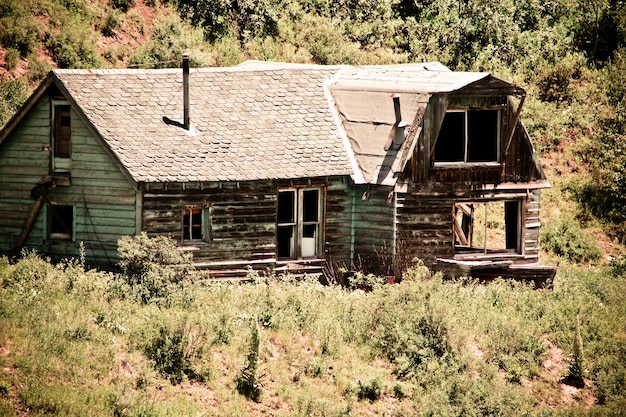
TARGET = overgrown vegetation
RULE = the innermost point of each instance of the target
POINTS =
(72, 343)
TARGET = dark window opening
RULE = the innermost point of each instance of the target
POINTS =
(196, 223)
(285, 241)
(60, 222)
(482, 136)
(286, 205)
(470, 136)
(489, 227)
(298, 223)
(62, 131)
(450, 146)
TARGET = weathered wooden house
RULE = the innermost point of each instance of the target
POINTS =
(277, 166)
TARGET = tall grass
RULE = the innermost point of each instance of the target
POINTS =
(71, 344)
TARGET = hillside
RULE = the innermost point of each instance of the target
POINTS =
(76, 342)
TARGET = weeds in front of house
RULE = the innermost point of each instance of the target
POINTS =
(72, 344)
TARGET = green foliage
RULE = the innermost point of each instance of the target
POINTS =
(245, 19)
(604, 196)
(111, 22)
(369, 390)
(176, 351)
(153, 268)
(247, 382)
(122, 5)
(18, 30)
(74, 46)
(418, 347)
(12, 58)
(12, 94)
(575, 370)
(168, 41)
(566, 238)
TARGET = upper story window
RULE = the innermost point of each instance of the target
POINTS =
(469, 136)
(299, 223)
(61, 136)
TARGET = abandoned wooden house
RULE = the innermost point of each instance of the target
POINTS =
(284, 167)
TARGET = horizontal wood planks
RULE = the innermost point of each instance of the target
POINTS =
(242, 224)
(102, 197)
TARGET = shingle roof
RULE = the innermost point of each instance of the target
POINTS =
(246, 124)
(260, 120)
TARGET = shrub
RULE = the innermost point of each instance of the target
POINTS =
(153, 267)
(73, 47)
(176, 351)
(575, 371)
(371, 390)
(247, 382)
(111, 22)
(20, 32)
(566, 238)
(12, 58)
(122, 5)
(12, 94)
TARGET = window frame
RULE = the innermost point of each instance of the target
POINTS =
(60, 163)
(511, 207)
(205, 212)
(52, 217)
(466, 137)
(299, 224)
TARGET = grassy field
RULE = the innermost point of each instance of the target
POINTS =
(77, 342)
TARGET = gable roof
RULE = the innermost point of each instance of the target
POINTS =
(258, 120)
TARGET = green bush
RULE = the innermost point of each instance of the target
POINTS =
(12, 58)
(12, 94)
(154, 268)
(74, 46)
(176, 351)
(247, 382)
(122, 5)
(370, 390)
(20, 32)
(566, 238)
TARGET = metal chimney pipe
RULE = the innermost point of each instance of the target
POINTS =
(186, 119)
(396, 107)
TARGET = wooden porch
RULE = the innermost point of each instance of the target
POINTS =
(486, 270)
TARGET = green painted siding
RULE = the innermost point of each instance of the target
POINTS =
(103, 198)
(373, 229)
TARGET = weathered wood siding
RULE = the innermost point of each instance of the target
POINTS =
(425, 223)
(24, 160)
(424, 227)
(242, 224)
(519, 163)
(373, 229)
(103, 198)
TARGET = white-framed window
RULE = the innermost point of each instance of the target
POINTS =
(299, 223)
(60, 222)
(469, 136)
(61, 135)
(196, 221)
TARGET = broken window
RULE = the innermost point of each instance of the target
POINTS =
(60, 222)
(468, 136)
(298, 217)
(196, 221)
(487, 227)
(61, 136)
